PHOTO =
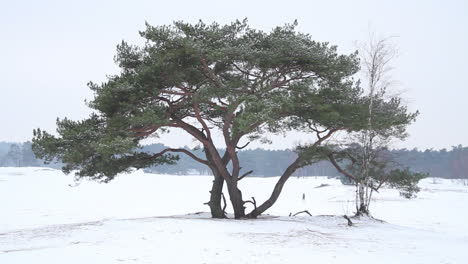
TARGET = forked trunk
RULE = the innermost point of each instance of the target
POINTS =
(235, 196)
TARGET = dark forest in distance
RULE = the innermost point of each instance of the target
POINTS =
(451, 164)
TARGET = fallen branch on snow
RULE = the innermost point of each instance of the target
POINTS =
(302, 212)
(349, 220)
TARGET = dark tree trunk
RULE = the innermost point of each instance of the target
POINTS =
(277, 190)
(216, 189)
(235, 195)
(216, 195)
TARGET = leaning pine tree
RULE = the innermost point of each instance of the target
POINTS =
(203, 79)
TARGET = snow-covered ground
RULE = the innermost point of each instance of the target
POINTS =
(146, 218)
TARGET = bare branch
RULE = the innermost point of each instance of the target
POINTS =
(190, 129)
(344, 172)
(302, 212)
(350, 223)
(252, 202)
(224, 202)
(339, 168)
(245, 174)
(188, 153)
(243, 146)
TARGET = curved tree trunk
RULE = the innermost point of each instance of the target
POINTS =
(277, 190)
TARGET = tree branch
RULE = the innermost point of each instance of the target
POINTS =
(245, 174)
(350, 223)
(175, 93)
(252, 202)
(344, 172)
(243, 146)
(188, 153)
(224, 202)
(210, 74)
(339, 168)
(201, 121)
(230, 147)
(302, 212)
(246, 72)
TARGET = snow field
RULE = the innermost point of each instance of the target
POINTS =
(148, 218)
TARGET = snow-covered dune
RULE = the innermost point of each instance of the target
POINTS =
(148, 218)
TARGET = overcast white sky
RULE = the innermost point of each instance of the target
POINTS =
(49, 50)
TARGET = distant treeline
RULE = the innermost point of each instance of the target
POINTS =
(443, 163)
(19, 155)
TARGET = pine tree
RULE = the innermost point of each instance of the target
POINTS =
(204, 79)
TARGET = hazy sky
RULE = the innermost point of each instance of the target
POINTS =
(51, 49)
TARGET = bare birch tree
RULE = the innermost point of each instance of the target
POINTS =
(367, 160)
